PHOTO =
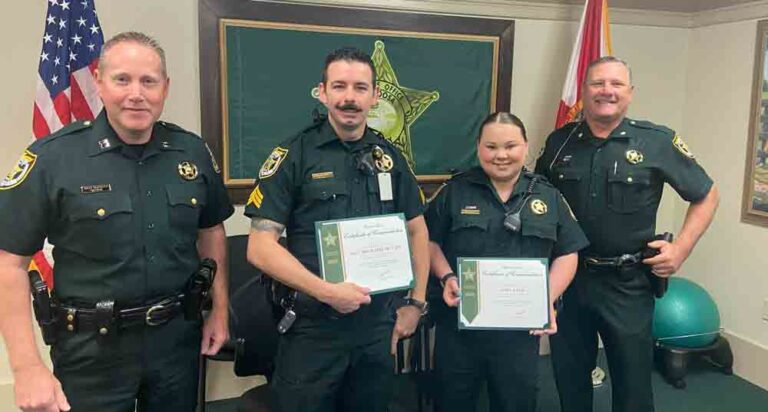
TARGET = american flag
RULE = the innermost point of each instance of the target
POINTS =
(66, 90)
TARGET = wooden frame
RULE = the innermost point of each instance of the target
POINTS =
(754, 208)
(214, 14)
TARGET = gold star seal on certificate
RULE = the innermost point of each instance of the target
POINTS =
(469, 275)
(330, 240)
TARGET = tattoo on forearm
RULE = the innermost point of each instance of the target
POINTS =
(266, 225)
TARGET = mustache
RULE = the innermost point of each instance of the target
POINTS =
(349, 106)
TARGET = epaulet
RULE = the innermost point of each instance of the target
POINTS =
(317, 120)
(539, 178)
(177, 128)
(644, 124)
(64, 131)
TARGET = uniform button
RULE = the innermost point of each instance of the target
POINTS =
(623, 133)
(149, 193)
(193, 200)
(103, 331)
(151, 226)
(561, 176)
(71, 328)
(70, 317)
(101, 212)
(87, 123)
(631, 122)
(593, 194)
(599, 149)
(629, 179)
(141, 163)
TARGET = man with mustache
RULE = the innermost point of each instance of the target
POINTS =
(131, 205)
(612, 170)
(337, 356)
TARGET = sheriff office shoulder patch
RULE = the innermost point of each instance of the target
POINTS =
(20, 171)
(272, 163)
(681, 146)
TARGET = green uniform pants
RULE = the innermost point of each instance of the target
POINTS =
(617, 304)
(148, 369)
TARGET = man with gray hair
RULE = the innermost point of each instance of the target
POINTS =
(131, 205)
(612, 170)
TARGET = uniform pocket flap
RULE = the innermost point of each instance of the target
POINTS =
(186, 194)
(99, 206)
(469, 223)
(566, 175)
(324, 190)
(541, 229)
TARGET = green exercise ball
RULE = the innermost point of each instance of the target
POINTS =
(686, 316)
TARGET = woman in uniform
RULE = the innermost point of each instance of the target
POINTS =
(500, 210)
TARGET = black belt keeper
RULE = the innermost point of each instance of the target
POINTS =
(104, 317)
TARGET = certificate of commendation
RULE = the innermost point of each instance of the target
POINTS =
(372, 252)
(503, 293)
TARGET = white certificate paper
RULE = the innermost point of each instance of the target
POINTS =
(503, 293)
(372, 252)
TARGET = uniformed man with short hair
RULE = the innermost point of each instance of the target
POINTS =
(612, 171)
(337, 354)
(130, 204)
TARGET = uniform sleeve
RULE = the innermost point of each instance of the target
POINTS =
(438, 216)
(681, 170)
(218, 207)
(570, 237)
(272, 197)
(410, 199)
(26, 206)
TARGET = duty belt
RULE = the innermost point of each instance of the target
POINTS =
(625, 260)
(104, 318)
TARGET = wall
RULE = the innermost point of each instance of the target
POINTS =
(670, 65)
(729, 261)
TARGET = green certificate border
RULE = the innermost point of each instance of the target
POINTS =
(336, 270)
(459, 270)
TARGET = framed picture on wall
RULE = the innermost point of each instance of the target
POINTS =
(260, 64)
(755, 198)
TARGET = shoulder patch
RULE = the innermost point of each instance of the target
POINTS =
(272, 164)
(681, 147)
(20, 171)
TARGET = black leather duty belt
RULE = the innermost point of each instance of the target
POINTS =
(104, 318)
(625, 260)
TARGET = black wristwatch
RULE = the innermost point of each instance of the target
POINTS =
(446, 277)
(423, 306)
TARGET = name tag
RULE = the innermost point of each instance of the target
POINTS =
(385, 186)
(95, 188)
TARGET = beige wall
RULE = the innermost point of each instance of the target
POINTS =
(730, 261)
(670, 66)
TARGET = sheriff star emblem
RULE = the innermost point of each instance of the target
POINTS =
(330, 240)
(634, 157)
(187, 170)
(538, 207)
(384, 164)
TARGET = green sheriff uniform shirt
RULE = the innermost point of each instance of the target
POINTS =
(466, 219)
(123, 224)
(614, 185)
(314, 177)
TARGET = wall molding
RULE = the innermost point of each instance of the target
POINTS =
(512, 9)
(750, 359)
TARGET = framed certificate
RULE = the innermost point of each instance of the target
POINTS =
(503, 293)
(373, 252)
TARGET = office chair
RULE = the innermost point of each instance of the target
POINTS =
(253, 338)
